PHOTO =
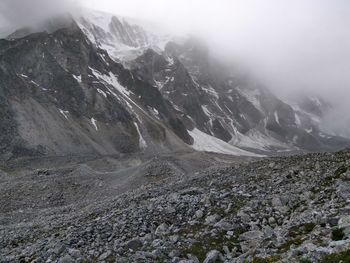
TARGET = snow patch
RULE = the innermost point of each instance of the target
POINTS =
(64, 113)
(313, 117)
(309, 130)
(102, 92)
(142, 142)
(78, 78)
(31, 81)
(170, 61)
(256, 140)
(24, 76)
(94, 123)
(211, 91)
(156, 111)
(36, 84)
(277, 119)
(208, 143)
(206, 110)
(111, 80)
(97, 26)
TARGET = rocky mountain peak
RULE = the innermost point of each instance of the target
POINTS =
(182, 90)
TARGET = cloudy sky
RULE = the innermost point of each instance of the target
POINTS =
(291, 45)
(294, 36)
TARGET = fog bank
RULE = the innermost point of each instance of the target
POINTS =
(292, 46)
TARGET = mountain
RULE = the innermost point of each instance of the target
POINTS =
(123, 39)
(117, 146)
(61, 95)
(99, 85)
(233, 107)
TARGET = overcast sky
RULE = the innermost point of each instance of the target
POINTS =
(283, 37)
(291, 45)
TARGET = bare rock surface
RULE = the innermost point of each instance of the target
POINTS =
(285, 209)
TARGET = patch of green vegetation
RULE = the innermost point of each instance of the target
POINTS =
(198, 250)
(309, 227)
(301, 229)
(237, 203)
(320, 242)
(337, 234)
(341, 170)
(297, 205)
(267, 260)
(304, 260)
(111, 259)
(2, 114)
(207, 243)
(298, 235)
(286, 246)
(343, 257)
(217, 210)
(191, 229)
(328, 181)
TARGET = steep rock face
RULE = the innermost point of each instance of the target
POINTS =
(174, 82)
(231, 107)
(130, 35)
(121, 38)
(64, 91)
(61, 95)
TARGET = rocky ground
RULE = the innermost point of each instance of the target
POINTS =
(285, 209)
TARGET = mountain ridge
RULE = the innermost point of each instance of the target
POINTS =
(181, 94)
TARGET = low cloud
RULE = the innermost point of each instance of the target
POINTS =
(292, 46)
(21, 13)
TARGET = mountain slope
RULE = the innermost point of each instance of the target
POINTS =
(64, 91)
(123, 39)
(63, 96)
(282, 209)
(231, 107)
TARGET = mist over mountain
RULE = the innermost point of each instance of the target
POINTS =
(292, 47)
(279, 94)
(180, 131)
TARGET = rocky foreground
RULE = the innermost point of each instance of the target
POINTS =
(287, 209)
